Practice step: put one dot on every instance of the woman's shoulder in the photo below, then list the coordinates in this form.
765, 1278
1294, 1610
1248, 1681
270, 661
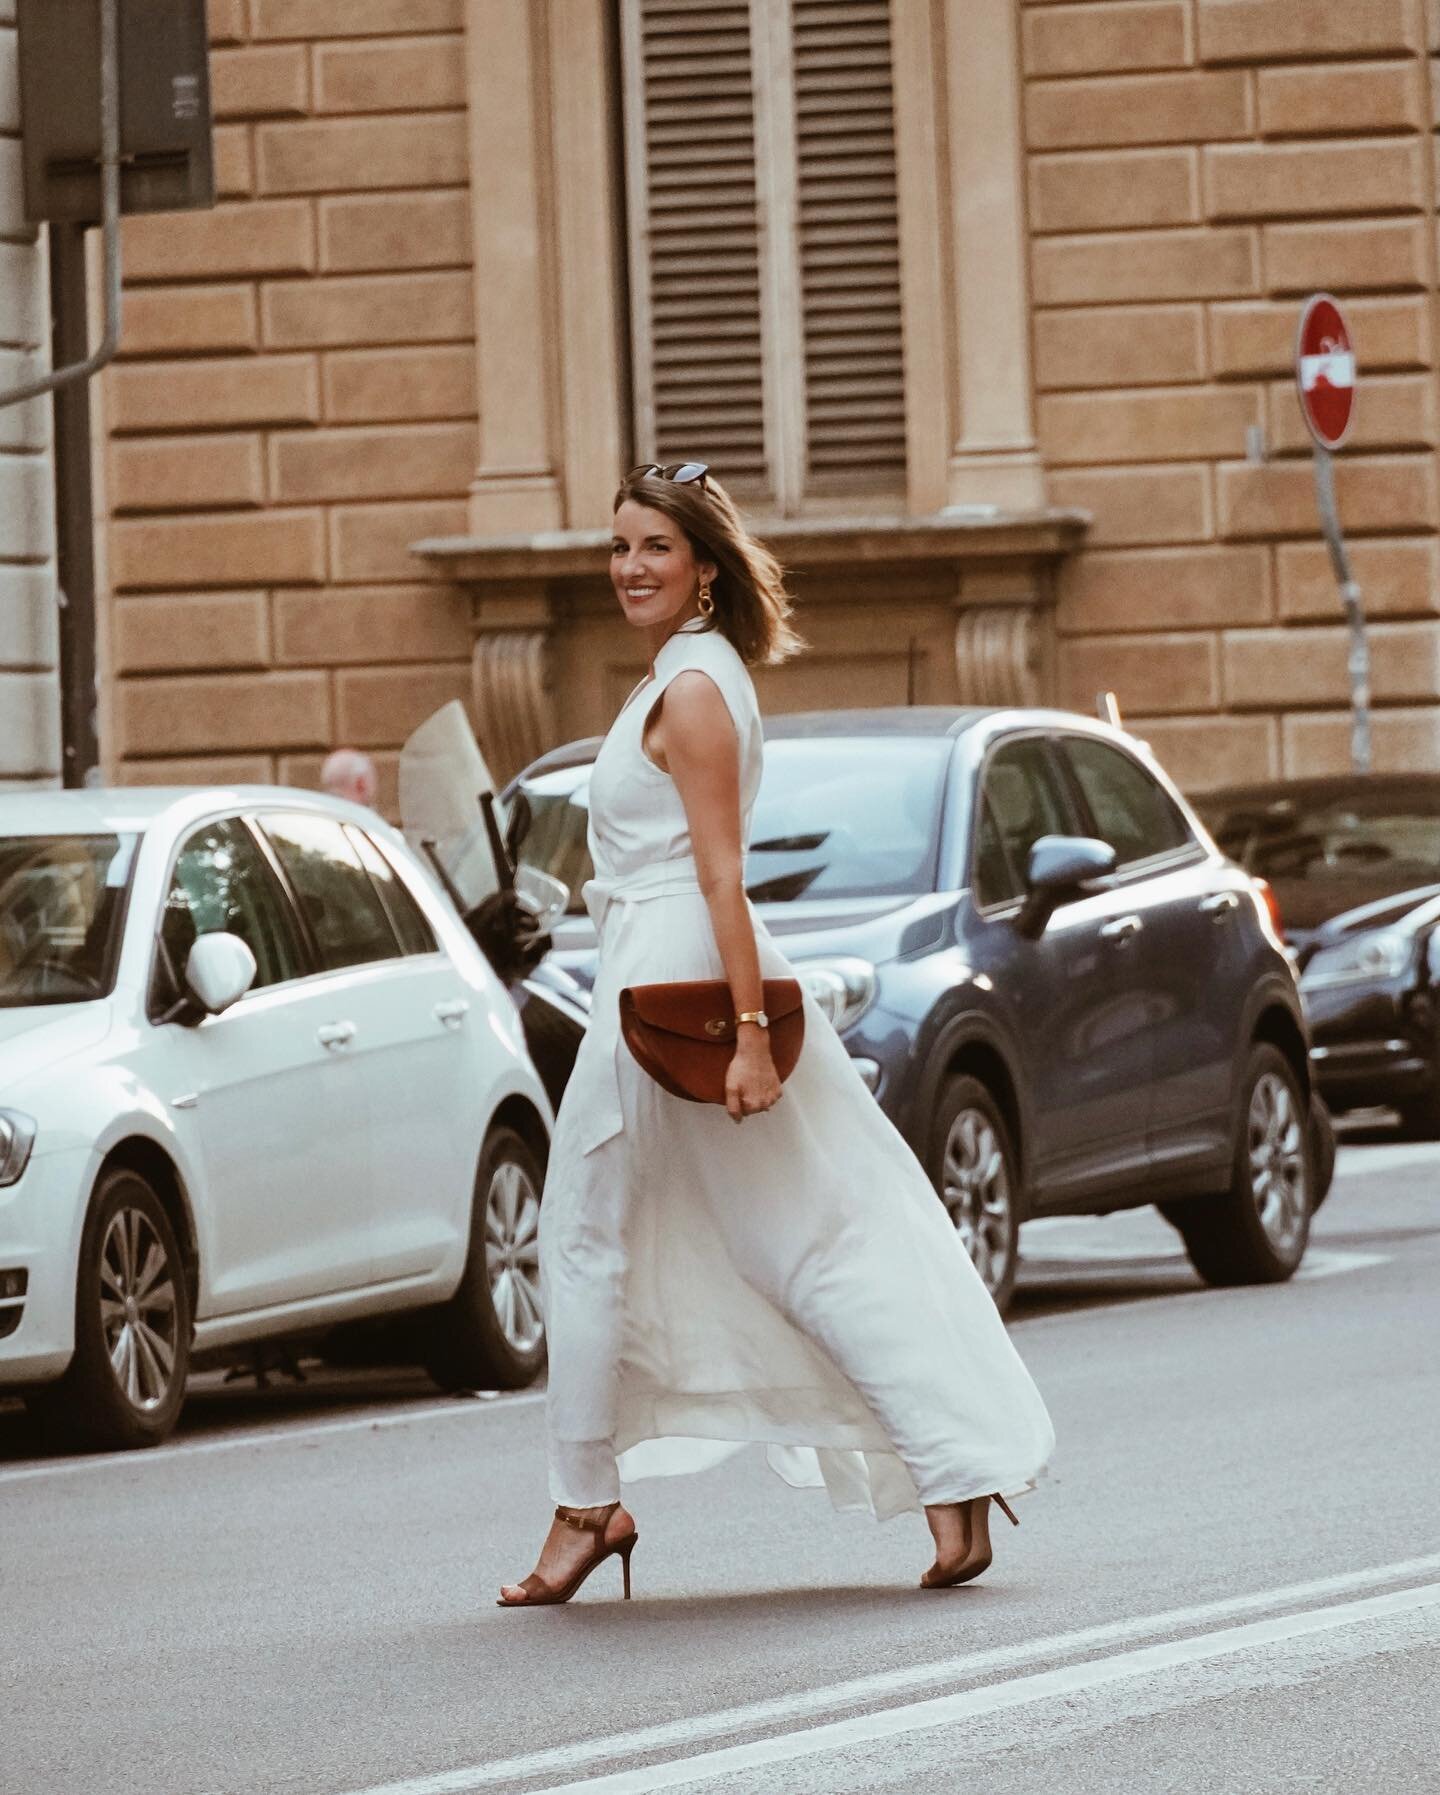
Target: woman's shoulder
713, 654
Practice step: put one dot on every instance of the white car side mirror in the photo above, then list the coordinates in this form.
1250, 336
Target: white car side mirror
219, 971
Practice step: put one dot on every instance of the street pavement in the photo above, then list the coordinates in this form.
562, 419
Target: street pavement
1231, 1580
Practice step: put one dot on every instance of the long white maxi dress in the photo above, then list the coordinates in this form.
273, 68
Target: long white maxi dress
790, 1281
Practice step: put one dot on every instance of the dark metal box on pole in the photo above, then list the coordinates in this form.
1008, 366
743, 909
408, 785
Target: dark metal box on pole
167, 158
115, 117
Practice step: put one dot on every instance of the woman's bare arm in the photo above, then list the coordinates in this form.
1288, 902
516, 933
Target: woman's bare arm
694, 739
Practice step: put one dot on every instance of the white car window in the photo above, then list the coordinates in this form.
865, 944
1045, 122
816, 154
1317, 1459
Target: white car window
406, 917
221, 882
336, 896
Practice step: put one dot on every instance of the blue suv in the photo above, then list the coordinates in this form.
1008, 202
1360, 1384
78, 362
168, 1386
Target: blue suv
1063, 995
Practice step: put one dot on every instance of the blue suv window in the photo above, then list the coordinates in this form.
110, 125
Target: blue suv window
1132, 812
843, 816
1021, 800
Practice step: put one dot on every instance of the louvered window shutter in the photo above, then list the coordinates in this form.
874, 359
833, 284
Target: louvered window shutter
849, 242
764, 242
694, 236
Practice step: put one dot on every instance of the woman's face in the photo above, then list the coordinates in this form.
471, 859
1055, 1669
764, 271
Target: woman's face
653, 568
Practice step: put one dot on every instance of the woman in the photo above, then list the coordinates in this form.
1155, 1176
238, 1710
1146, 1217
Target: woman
792, 1281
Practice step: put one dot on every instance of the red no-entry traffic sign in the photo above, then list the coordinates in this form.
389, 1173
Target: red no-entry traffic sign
1325, 371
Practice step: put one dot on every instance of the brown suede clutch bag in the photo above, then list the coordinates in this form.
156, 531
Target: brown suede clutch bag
683, 1034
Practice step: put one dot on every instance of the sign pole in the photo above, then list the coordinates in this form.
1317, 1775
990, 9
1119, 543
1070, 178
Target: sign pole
1359, 659
1325, 383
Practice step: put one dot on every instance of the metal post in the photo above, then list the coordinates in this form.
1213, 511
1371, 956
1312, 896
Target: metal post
1359, 661
74, 508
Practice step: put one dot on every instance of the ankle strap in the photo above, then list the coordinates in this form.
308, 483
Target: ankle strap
584, 1521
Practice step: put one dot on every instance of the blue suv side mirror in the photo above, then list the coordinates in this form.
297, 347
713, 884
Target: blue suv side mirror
1060, 867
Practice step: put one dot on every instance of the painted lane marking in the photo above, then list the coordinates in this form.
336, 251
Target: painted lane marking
808, 1703
1319, 1262
270, 1435
1325, 1262
1371, 1161
971, 1704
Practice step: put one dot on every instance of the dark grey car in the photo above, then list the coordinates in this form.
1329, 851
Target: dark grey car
1063, 995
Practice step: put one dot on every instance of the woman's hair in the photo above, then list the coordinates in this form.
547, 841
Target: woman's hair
752, 607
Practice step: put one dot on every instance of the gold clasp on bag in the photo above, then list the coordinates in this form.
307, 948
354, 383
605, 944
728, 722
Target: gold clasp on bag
717, 1025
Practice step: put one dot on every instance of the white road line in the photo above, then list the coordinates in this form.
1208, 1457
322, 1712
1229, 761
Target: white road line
1358, 1162
805, 1704
1326, 1262
970, 1704
270, 1435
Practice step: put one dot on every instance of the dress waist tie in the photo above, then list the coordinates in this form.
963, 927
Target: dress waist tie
662, 878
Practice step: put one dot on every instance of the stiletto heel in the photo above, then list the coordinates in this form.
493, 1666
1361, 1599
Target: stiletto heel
540, 1594
978, 1556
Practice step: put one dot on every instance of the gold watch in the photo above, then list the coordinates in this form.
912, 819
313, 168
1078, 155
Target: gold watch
758, 1017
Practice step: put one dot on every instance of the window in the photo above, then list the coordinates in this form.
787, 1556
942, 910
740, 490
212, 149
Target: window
1369, 841
336, 897
221, 883
995, 880
62, 907
1021, 800
557, 840
406, 917
838, 817
765, 274
1132, 811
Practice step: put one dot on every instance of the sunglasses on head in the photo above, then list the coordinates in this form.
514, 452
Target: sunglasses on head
678, 473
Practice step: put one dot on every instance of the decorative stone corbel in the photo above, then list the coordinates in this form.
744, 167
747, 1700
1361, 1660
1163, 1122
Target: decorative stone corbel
1001, 655
514, 714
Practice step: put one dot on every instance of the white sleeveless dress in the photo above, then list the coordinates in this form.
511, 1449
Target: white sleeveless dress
790, 1281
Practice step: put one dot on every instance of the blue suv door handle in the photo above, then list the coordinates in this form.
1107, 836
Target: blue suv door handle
1221, 905
1124, 929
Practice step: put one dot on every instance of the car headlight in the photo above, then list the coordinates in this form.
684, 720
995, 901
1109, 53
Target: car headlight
1379, 954
843, 988
17, 1137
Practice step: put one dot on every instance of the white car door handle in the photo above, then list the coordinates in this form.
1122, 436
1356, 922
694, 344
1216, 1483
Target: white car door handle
1122, 930
335, 1035
452, 1012
1221, 905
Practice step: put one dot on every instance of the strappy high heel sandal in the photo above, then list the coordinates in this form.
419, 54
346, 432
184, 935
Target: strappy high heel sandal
540, 1594
977, 1551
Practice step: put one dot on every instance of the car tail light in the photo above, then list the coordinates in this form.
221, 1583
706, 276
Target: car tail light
1272, 904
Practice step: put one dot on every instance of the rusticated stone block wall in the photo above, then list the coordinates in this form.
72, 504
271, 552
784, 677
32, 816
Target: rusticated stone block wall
296, 405
1195, 168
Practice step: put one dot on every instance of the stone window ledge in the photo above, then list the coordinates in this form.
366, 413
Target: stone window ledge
972, 588
964, 533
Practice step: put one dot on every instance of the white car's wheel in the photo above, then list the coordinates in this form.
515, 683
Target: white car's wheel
126, 1383
491, 1334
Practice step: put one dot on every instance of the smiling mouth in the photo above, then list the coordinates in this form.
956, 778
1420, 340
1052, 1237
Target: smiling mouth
641, 591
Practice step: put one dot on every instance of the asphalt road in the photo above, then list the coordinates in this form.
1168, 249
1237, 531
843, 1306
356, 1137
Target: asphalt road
1231, 1580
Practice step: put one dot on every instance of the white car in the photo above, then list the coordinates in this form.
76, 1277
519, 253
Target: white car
256, 1080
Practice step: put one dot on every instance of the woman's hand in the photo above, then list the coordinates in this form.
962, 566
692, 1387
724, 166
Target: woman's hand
752, 1084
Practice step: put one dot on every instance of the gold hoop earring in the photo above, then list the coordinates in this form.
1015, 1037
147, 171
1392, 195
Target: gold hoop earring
705, 602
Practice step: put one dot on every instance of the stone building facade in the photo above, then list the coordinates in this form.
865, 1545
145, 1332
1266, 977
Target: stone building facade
986, 305
29, 685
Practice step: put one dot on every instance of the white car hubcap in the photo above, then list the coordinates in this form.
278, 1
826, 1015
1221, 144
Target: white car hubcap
138, 1308
512, 1254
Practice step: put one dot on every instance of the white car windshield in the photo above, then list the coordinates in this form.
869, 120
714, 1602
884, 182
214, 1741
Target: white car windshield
62, 905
